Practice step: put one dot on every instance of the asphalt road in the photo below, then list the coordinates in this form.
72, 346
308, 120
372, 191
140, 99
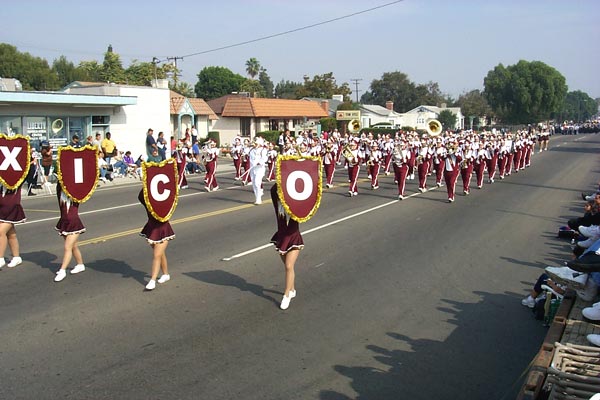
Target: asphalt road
413, 299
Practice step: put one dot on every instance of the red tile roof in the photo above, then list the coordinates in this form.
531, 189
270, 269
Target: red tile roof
236, 106
199, 106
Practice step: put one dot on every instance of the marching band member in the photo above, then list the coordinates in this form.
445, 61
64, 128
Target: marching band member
529, 149
423, 161
466, 166
11, 213
288, 242
502, 157
237, 151
181, 161
388, 151
329, 153
544, 138
438, 161
69, 226
400, 160
479, 165
157, 235
258, 159
271, 163
245, 177
211, 155
491, 159
510, 154
518, 150
353, 159
451, 169
374, 162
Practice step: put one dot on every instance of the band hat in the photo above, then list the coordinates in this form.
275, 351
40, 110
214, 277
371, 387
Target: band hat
259, 141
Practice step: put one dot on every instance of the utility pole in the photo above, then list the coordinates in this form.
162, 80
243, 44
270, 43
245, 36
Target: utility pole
355, 81
174, 61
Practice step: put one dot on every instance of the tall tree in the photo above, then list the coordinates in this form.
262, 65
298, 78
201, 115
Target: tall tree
287, 90
253, 87
142, 73
393, 86
448, 119
215, 82
67, 72
526, 92
252, 67
578, 106
322, 86
92, 69
183, 88
34, 73
266, 82
473, 104
428, 94
112, 68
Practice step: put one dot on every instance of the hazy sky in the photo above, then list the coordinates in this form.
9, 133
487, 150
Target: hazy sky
454, 43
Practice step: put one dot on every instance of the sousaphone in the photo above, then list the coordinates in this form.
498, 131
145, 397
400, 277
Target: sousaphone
434, 127
354, 126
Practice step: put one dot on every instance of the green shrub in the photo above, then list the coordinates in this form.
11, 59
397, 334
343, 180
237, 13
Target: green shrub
270, 136
328, 124
214, 135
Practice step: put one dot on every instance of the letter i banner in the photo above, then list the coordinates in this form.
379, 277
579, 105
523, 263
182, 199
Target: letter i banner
78, 171
15, 158
299, 185
161, 190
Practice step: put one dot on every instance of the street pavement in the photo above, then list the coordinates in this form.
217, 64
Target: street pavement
413, 299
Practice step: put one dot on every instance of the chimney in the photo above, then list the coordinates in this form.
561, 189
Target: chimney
443, 105
325, 106
389, 105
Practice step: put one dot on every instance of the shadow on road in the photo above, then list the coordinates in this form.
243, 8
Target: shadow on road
113, 266
223, 278
43, 259
468, 364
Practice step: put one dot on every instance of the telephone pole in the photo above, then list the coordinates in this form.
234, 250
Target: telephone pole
355, 81
174, 62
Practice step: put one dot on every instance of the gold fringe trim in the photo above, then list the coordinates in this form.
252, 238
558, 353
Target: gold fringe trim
319, 185
146, 165
26, 172
60, 177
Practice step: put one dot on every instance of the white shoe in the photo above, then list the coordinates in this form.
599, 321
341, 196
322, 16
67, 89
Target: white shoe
589, 231
594, 339
400, 197
60, 275
215, 188
78, 268
588, 242
292, 294
592, 313
184, 187
151, 285
528, 301
258, 202
164, 278
285, 302
14, 262
2, 262
567, 274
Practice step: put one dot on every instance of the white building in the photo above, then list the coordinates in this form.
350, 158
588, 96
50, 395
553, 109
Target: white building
371, 114
418, 117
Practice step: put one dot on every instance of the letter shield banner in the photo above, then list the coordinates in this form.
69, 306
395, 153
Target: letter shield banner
15, 156
161, 190
78, 172
299, 185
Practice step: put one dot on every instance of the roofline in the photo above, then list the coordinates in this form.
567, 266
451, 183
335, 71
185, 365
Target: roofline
65, 98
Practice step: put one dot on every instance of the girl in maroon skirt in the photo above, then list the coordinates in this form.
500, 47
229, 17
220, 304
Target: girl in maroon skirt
158, 235
11, 213
69, 226
288, 242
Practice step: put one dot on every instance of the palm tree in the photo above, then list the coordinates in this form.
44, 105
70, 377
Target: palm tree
252, 67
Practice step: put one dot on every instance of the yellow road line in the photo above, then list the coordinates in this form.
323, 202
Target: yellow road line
34, 210
174, 222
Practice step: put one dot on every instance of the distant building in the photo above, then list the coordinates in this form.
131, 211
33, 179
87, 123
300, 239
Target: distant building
417, 117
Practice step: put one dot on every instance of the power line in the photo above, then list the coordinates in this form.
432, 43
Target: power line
355, 81
291, 30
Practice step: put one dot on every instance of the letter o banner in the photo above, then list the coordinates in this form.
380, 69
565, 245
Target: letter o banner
299, 185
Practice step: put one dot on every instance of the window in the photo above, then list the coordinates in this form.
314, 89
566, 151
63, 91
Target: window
11, 125
245, 124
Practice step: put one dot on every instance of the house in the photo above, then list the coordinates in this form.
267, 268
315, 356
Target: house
240, 115
371, 114
418, 117
190, 112
331, 105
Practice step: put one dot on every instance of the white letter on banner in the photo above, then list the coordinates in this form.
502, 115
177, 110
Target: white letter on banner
290, 185
10, 158
154, 187
78, 168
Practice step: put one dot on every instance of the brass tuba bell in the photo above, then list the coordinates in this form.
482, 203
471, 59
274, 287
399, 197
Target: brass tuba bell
434, 127
354, 126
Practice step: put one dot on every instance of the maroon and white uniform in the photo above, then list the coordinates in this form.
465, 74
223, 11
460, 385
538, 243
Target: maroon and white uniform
245, 162
466, 170
11, 210
375, 160
438, 163
69, 222
479, 166
400, 160
329, 154
155, 231
181, 161
271, 162
451, 170
211, 155
236, 154
423, 163
353, 162
491, 160
288, 235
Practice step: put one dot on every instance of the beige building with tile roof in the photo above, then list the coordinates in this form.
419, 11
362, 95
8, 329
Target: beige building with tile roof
190, 112
240, 115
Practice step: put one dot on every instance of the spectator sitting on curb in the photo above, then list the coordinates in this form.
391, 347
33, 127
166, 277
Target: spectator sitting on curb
544, 279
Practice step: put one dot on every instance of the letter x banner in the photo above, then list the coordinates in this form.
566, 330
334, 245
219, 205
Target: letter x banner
161, 188
299, 185
78, 171
15, 157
